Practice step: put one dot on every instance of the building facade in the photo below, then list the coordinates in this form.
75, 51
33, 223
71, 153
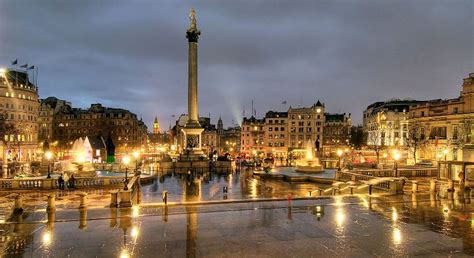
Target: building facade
305, 124
19, 107
445, 127
229, 140
48, 108
276, 134
127, 132
336, 132
386, 123
252, 137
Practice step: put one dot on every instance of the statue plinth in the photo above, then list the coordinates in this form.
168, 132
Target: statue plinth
192, 142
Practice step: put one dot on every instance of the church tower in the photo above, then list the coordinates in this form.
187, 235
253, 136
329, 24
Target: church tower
220, 126
156, 126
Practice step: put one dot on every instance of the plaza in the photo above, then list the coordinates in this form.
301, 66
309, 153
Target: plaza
313, 170
338, 226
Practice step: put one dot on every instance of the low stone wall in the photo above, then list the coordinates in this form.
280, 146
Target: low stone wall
52, 183
195, 165
403, 172
295, 178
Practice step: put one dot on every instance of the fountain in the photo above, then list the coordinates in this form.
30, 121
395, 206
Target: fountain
310, 164
81, 158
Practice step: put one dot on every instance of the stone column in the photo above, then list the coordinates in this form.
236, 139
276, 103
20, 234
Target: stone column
192, 34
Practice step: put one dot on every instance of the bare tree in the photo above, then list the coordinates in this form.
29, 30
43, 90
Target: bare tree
374, 144
7, 129
415, 138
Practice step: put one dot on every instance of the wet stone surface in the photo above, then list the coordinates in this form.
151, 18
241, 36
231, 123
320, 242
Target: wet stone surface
341, 226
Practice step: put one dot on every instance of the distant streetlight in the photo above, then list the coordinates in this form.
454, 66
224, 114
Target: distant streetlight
445, 152
339, 154
48, 156
136, 155
396, 157
125, 161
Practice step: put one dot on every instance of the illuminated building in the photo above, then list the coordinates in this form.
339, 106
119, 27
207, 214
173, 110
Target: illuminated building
19, 112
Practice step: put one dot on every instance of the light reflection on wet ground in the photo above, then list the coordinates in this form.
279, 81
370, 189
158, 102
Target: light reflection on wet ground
210, 187
340, 226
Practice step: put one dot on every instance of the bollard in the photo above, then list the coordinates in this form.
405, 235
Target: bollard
114, 199
83, 203
309, 193
370, 189
82, 218
450, 185
320, 192
18, 204
224, 189
289, 199
164, 196
414, 201
414, 186
51, 202
352, 190
433, 185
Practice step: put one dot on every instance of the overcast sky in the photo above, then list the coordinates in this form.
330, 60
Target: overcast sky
348, 54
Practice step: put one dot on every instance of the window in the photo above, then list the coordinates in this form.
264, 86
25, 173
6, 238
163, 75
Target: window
455, 110
282, 129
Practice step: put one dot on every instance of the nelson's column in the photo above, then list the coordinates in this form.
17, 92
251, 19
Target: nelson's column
192, 130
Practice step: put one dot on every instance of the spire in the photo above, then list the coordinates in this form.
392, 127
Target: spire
318, 104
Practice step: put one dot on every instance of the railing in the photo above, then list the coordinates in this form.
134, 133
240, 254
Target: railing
404, 172
129, 196
52, 183
393, 185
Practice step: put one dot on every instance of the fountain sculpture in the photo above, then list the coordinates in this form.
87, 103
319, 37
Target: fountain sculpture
310, 164
81, 158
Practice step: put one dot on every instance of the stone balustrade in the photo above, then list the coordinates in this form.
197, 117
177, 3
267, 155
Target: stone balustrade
403, 172
52, 183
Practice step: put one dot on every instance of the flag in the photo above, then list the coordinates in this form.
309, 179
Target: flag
31, 67
24, 66
284, 102
15, 62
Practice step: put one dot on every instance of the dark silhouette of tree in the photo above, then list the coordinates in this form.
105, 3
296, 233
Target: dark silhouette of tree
373, 144
415, 138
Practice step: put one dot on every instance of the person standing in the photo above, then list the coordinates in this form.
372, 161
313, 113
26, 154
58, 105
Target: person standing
461, 176
72, 182
61, 182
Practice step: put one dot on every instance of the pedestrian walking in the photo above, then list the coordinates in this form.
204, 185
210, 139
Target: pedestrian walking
61, 182
72, 182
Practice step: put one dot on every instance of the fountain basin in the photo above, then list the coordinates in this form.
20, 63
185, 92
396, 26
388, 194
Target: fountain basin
309, 168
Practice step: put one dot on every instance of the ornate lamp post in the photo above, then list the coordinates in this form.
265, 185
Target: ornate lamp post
396, 157
339, 154
48, 156
125, 161
445, 152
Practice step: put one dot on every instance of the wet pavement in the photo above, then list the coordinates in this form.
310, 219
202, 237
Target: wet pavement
338, 226
210, 187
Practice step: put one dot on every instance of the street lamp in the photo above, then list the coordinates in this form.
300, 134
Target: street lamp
48, 156
445, 152
136, 155
396, 157
339, 154
126, 160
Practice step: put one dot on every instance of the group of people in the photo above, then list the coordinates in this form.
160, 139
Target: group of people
65, 182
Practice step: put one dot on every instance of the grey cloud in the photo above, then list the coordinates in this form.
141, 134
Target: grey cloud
133, 54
